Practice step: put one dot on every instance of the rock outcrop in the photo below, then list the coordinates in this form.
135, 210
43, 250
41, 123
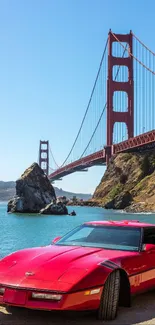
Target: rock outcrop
128, 183
121, 201
57, 209
33, 191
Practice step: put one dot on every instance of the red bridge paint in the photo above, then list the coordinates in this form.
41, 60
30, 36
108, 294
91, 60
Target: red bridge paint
142, 141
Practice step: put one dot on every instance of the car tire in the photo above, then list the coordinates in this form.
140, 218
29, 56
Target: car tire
110, 297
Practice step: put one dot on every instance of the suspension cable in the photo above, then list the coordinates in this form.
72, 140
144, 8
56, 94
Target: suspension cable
88, 104
129, 52
52, 169
102, 110
142, 43
94, 130
53, 157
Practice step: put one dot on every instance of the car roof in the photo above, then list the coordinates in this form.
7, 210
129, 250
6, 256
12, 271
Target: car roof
124, 223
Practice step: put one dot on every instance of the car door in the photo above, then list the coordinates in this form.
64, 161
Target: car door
140, 266
136, 266
148, 258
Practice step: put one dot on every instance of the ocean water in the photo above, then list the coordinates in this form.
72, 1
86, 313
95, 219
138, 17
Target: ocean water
19, 231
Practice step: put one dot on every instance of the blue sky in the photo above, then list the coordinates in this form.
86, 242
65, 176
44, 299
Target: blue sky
50, 52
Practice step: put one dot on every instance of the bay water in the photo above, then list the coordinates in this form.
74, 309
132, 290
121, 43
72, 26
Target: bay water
18, 231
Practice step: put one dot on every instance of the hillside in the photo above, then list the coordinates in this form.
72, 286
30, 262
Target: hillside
7, 191
69, 195
128, 183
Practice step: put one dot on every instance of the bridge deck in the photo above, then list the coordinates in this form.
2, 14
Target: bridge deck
140, 142
97, 158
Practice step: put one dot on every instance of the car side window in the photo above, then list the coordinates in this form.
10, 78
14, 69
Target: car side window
149, 236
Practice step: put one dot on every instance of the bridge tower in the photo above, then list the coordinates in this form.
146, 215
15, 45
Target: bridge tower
117, 116
44, 156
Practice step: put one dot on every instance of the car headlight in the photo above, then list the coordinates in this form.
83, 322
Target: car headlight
49, 296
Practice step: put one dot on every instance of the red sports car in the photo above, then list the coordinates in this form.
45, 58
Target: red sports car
97, 266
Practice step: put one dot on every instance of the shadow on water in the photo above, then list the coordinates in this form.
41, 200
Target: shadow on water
142, 311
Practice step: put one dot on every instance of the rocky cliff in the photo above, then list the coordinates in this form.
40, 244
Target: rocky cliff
128, 183
33, 191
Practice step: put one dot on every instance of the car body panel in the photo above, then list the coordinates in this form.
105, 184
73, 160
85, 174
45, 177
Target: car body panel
68, 265
74, 271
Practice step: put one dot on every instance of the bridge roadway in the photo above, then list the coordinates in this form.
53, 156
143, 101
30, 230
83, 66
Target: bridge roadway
142, 312
141, 142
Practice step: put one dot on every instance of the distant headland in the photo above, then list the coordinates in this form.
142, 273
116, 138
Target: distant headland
8, 189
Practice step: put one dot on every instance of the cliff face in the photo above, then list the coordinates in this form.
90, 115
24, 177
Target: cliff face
33, 191
128, 183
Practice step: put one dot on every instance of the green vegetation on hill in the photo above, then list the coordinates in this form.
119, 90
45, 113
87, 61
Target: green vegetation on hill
128, 183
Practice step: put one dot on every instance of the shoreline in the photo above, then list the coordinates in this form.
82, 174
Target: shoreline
132, 208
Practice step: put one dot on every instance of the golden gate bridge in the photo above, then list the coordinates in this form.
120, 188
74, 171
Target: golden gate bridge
120, 115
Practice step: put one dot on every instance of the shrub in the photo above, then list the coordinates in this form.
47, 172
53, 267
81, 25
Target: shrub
115, 191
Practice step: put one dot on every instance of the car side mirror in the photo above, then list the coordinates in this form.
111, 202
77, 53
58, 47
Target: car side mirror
56, 239
148, 247
143, 247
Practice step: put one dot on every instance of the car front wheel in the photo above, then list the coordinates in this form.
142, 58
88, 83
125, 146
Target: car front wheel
110, 297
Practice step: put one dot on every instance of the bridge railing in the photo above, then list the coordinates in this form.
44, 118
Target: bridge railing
83, 163
138, 141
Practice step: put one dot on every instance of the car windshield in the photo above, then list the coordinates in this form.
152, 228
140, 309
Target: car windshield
108, 237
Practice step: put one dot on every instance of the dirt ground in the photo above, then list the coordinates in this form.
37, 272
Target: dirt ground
142, 312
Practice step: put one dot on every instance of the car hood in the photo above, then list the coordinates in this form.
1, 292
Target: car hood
53, 267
